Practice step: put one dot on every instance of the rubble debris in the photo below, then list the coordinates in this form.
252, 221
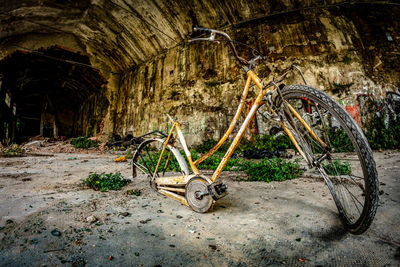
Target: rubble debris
34, 144
191, 229
91, 219
55, 232
213, 247
125, 214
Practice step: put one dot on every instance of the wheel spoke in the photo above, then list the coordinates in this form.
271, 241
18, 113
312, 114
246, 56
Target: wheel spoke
353, 196
145, 163
141, 167
152, 163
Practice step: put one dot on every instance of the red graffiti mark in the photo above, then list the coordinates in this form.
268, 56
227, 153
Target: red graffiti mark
354, 111
307, 103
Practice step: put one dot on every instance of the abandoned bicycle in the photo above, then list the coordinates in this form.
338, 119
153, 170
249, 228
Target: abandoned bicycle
324, 134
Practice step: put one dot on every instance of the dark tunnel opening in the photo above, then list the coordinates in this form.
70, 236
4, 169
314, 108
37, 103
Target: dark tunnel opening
48, 93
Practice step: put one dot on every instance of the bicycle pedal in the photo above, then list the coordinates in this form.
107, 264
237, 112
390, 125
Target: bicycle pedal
217, 190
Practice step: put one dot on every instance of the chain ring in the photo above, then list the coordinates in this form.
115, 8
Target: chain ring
197, 195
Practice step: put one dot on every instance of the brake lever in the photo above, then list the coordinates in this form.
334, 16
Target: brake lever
211, 38
254, 62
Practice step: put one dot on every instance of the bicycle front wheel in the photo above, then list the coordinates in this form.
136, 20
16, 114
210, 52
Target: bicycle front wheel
342, 156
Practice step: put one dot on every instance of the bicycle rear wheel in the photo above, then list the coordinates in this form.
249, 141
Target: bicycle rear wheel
146, 156
344, 159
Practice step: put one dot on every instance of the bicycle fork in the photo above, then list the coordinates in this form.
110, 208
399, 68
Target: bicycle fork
286, 128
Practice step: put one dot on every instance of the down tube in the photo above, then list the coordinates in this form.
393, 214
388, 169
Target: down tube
239, 136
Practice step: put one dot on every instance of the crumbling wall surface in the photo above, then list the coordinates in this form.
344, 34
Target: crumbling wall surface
343, 52
346, 49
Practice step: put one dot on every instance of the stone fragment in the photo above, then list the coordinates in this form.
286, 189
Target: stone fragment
55, 232
91, 219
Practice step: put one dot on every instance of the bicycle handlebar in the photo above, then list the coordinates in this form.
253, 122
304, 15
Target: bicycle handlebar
213, 33
201, 29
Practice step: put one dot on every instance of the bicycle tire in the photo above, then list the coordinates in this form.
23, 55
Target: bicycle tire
351, 183
146, 158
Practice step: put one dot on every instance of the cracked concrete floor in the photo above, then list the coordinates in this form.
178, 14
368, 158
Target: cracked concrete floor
44, 211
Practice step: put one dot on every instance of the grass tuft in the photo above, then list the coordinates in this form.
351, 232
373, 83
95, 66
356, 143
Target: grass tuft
83, 142
105, 181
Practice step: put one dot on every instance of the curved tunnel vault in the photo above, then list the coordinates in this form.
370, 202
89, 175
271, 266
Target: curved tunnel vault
48, 93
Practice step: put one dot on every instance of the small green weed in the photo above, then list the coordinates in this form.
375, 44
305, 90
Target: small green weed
148, 160
381, 137
212, 162
105, 181
267, 170
259, 142
340, 141
13, 151
337, 167
83, 142
275, 169
135, 192
267, 142
210, 143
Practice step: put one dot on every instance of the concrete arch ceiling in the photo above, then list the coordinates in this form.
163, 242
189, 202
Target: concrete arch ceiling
119, 34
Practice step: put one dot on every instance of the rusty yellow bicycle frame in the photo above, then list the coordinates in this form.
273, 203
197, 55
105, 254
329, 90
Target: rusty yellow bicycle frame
167, 184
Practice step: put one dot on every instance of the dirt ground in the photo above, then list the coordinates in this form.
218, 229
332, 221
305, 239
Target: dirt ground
49, 219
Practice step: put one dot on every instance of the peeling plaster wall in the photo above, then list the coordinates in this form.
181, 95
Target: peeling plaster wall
201, 86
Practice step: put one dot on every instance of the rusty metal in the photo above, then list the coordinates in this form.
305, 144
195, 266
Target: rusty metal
197, 194
185, 148
169, 156
174, 180
296, 144
239, 135
174, 189
231, 126
163, 149
302, 121
174, 196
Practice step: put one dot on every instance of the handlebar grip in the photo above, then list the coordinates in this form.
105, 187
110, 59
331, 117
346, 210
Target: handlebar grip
200, 29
